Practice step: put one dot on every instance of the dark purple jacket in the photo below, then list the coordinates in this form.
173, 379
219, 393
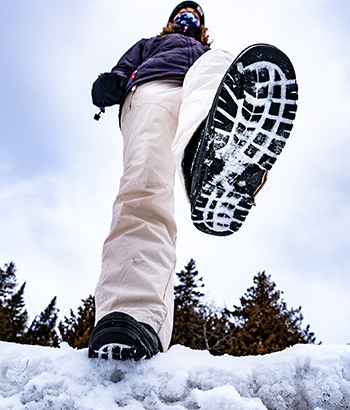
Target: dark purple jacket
157, 57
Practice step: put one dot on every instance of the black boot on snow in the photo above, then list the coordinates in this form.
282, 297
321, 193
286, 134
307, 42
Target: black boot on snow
119, 336
247, 127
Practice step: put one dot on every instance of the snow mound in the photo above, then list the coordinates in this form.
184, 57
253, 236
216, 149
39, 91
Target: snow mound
302, 377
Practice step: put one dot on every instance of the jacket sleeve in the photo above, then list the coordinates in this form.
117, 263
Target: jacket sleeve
109, 88
128, 64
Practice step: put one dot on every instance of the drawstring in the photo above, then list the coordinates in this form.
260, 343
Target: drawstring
97, 116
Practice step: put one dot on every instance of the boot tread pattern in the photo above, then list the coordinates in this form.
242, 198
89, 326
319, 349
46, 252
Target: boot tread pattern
255, 109
116, 351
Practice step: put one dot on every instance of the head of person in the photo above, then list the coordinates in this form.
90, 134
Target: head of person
187, 18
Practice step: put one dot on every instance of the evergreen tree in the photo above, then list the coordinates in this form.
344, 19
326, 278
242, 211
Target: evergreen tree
7, 280
198, 325
186, 293
13, 316
76, 330
42, 330
186, 307
261, 324
264, 324
17, 316
214, 331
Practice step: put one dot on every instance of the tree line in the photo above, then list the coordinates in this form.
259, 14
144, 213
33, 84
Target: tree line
260, 324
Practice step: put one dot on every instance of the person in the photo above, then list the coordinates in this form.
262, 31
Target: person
174, 91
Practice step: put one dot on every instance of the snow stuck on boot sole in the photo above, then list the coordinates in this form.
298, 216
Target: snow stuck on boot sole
248, 127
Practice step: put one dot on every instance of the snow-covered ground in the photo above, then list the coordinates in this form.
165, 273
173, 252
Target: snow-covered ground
302, 377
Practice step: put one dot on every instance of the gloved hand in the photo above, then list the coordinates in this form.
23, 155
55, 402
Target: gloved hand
108, 89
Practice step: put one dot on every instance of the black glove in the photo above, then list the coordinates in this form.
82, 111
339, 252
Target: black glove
108, 89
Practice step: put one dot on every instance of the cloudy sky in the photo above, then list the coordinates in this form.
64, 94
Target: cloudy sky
60, 169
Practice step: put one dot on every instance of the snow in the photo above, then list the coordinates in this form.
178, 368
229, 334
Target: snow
298, 378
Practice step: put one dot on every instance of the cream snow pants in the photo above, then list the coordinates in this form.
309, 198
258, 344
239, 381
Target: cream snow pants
138, 260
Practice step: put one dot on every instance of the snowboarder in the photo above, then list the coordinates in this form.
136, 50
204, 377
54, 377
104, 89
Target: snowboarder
221, 122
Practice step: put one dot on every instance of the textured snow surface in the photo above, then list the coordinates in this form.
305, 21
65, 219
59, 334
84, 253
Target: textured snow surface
302, 377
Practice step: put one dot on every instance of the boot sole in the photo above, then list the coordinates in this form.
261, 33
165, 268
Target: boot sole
247, 127
115, 351
119, 336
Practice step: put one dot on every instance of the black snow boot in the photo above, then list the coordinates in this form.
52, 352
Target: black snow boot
119, 336
246, 129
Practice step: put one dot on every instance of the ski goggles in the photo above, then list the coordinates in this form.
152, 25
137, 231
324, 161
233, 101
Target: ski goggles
187, 18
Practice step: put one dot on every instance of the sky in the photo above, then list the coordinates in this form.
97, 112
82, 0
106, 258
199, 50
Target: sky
60, 169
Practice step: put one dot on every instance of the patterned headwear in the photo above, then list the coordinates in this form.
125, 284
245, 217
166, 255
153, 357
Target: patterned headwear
195, 6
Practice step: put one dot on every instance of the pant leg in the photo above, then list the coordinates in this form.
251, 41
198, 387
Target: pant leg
138, 259
199, 88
